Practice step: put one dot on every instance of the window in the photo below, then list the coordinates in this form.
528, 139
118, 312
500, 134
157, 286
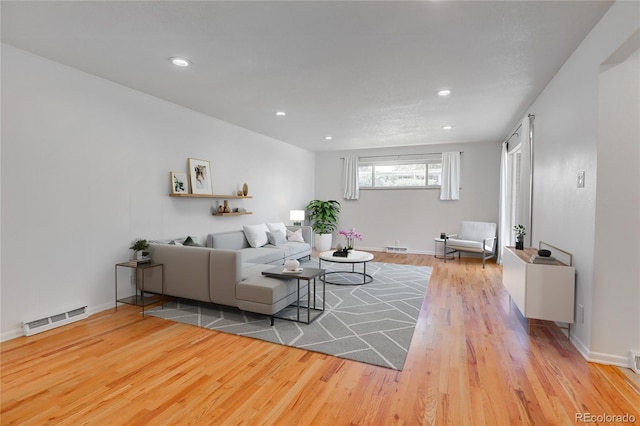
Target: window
423, 173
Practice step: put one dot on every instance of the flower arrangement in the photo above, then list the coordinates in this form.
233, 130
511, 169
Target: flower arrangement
350, 235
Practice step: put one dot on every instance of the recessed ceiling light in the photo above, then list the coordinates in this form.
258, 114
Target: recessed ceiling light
447, 127
281, 113
444, 92
328, 138
180, 62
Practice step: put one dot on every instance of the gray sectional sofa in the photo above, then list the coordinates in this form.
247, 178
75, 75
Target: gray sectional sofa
229, 272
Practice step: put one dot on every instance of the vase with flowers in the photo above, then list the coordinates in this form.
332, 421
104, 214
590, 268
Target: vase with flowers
350, 235
520, 233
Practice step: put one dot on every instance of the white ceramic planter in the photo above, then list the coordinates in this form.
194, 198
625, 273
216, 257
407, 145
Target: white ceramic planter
323, 242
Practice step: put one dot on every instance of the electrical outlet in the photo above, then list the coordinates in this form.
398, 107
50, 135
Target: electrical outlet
581, 179
581, 313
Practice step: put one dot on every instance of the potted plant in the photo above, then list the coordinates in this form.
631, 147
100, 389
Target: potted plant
140, 247
323, 217
520, 233
351, 235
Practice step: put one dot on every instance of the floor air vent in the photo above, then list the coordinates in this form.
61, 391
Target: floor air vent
47, 323
397, 249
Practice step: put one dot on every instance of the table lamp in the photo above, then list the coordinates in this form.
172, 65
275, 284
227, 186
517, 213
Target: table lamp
297, 216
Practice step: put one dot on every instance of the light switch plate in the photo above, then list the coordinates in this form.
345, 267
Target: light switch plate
581, 179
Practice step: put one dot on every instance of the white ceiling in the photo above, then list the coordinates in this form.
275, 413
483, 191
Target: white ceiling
364, 72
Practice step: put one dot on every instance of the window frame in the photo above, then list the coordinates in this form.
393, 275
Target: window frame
373, 163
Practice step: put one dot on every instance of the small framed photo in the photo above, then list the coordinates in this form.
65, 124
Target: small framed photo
179, 183
200, 173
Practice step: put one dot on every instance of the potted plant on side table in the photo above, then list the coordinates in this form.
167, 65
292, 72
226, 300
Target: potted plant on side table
323, 217
140, 247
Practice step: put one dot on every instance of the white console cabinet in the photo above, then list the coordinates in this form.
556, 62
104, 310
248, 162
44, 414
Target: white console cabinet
540, 291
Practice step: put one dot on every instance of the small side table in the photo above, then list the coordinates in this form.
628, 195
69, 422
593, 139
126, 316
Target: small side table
436, 242
135, 299
307, 274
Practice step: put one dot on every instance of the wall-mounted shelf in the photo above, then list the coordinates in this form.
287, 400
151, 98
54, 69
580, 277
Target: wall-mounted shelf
231, 214
228, 197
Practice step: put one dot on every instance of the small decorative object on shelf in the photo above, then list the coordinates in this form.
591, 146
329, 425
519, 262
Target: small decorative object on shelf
245, 189
140, 247
227, 209
240, 193
350, 235
520, 233
220, 208
179, 183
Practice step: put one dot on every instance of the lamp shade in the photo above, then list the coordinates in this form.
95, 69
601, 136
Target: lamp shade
296, 215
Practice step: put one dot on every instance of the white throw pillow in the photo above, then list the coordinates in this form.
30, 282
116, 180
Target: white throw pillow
277, 227
295, 236
256, 234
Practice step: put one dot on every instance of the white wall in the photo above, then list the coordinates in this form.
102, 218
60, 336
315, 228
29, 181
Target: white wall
566, 142
616, 293
85, 170
414, 217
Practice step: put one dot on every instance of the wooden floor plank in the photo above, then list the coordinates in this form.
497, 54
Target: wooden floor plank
471, 361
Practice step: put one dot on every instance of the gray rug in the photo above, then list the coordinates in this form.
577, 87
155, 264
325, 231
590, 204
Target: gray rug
370, 323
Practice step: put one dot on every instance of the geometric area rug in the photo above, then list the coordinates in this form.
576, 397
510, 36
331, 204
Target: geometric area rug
371, 323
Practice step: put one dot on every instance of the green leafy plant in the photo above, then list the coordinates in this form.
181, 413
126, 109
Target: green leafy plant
139, 245
323, 215
520, 232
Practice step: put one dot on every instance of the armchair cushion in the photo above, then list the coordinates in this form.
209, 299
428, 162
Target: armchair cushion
471, 235
468, 245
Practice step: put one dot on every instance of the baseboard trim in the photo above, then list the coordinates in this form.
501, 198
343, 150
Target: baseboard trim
609, 359
598, 357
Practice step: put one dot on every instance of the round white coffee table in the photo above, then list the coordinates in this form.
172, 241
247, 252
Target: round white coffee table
353, 258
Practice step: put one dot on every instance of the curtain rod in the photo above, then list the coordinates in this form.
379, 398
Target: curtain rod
400, 155
515, 132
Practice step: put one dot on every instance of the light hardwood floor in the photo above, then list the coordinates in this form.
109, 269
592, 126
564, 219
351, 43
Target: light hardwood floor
471, 362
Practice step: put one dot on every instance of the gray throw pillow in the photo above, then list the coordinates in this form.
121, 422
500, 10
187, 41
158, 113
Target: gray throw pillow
276, 237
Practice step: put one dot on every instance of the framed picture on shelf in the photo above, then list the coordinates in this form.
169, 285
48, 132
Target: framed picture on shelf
179, 183
200, 173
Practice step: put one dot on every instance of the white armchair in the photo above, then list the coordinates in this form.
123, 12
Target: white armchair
476, 237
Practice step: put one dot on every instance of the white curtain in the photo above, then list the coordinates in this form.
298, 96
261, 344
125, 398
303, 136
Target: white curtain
526, 177
351, 187
503, 213
450, 185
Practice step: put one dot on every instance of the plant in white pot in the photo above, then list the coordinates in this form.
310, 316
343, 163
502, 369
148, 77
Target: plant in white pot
323, 217
140, 247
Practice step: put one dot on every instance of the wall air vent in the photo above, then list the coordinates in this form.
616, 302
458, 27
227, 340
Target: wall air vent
57, 320
394, 249
635, 362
